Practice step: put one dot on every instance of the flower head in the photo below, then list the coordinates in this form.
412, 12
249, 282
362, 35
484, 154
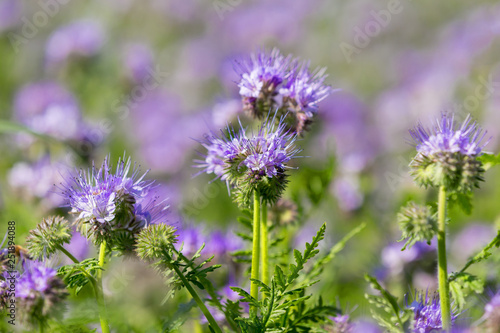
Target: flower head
302, 93
252, 161
270, 81
40, 293
427, 314
113, 205
447, 154
445, 138
492, 314
260, 77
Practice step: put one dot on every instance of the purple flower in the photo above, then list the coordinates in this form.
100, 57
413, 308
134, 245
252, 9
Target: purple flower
263, 154
191, 238
10, 13
35, 279
342, 324
48, 108
262, 73
37, 180
445, 138
427, 313
82, 38
138, 61
305, 89
121, 201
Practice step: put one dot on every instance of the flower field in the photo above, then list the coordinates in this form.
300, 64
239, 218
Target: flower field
250, 167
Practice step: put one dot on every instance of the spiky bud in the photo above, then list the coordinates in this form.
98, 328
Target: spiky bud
156, 241
417, 223
48, 236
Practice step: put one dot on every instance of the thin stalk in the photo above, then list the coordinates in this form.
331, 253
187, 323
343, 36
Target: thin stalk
198, 300
99, 293
264, 248
444, 288
254, 289
210, 290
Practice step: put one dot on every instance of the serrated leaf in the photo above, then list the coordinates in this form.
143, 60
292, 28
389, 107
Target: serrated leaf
489, 160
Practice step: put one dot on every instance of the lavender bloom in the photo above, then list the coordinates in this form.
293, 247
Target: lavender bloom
10, 13
264, 77
262, 74
191, 238
138, 61
83, 38
427, 312
447, 156
121, 201
341, 324
305, 89
40, 293
445, 138
48, 108
252, 163
36, 181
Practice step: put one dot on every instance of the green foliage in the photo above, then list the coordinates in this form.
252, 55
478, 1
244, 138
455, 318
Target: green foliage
78, 275
417, 223
385, 309
179, 318
489, 160
462, 285
285, 306
48, 236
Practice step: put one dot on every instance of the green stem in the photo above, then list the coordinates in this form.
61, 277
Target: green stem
254, 288
99, 293
444, 288
198, 300
210, 290
264, 249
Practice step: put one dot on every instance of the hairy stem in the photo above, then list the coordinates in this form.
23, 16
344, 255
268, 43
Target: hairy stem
254, 289
197, 299
99, 292
264, 249
444, 288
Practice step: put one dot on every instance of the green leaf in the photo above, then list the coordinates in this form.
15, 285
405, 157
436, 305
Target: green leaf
489, 160
464, 284
13, 127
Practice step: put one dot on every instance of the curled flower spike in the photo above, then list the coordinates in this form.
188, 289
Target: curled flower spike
427, 314
260, 77
48, 236
252, 161
447, 154
273, 81
113, 206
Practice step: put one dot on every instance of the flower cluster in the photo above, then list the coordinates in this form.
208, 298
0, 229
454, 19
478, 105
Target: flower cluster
427, 314
273, 81
39, 292
252, 162
492, 314
113, 207
447, 156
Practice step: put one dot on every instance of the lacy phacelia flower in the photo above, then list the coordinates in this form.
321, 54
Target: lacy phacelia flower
270, 81
302, 93
113, 206
260, 77
427, 314
252, 162
40, 293
447, 156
